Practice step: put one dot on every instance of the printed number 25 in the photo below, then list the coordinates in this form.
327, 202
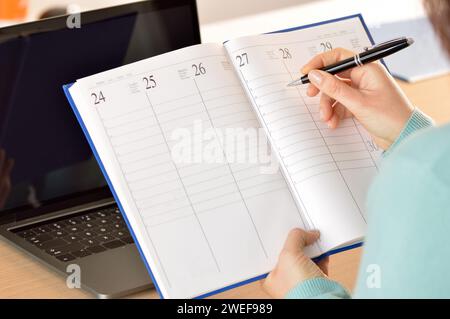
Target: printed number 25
150, 82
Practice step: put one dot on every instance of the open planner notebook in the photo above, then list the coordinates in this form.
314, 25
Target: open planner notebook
204, 227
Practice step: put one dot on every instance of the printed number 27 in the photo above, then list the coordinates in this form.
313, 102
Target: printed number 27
242, 59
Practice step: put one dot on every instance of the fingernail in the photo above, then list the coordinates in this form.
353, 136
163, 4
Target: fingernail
321, 115
329, 124
316, 232
315, 77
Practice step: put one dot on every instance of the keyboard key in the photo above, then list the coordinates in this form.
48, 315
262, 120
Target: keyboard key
81, 253
42, 230
39, 239
101, 214
103, 221
87, 218
102, 230
113, 244
72, 247
96, 249
104, 238
118, 226
72, 238
56, 226
87, 234
54, 243
66, 257
120, 234
89, 225
73, 221
89, 242
54, 252
73, 229
59, 233
26, 233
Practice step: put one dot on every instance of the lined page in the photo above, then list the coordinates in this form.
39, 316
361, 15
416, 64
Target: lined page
328, 170
202, 226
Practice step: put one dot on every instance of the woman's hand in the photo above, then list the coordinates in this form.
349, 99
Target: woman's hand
293, 265
368, 92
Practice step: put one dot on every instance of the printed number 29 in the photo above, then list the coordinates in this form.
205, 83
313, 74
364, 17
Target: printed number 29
326, 46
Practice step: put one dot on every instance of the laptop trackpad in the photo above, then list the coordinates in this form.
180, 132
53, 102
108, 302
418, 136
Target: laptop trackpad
114, 273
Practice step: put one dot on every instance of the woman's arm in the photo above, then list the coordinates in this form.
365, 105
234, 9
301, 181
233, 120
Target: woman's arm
371, 95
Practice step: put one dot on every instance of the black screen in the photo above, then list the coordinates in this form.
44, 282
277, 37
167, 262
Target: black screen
43, 153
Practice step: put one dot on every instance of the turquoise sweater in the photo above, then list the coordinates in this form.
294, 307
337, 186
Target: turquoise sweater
406, 251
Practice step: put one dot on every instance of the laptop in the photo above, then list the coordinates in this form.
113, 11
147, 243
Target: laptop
54, 201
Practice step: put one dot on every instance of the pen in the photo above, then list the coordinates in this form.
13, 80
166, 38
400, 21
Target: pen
371, 54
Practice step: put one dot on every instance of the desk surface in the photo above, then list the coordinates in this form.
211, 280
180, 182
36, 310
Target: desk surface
23, 277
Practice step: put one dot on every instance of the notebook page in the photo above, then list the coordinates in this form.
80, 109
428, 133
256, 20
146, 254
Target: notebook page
329, 171
202, 226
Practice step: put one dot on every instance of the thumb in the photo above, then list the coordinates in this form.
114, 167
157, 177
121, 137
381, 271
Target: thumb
336, 89
298, 239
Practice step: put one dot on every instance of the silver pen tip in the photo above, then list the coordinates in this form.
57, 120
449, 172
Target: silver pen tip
293, 83
410, 41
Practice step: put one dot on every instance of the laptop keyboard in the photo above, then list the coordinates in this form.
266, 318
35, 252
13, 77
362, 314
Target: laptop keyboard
79, 235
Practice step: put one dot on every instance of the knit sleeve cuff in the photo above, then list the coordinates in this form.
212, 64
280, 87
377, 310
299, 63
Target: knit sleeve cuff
318, 288
416, 122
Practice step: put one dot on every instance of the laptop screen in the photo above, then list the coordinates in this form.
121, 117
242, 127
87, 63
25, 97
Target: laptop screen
44, 157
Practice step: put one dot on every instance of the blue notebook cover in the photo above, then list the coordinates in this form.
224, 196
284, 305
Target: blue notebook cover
91, 144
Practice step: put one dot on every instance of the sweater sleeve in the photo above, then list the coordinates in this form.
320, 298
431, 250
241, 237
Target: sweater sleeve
318, 288
416, 122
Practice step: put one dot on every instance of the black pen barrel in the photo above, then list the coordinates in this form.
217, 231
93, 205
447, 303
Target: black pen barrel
374, 54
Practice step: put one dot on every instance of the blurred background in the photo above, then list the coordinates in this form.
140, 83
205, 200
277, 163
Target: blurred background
223, 19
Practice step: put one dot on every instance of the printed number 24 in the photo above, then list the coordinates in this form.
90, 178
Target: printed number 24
98, 98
